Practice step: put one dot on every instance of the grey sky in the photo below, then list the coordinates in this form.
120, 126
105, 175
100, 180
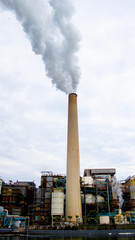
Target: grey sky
33, 114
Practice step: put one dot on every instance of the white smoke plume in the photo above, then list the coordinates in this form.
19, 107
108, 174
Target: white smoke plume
120, 194
47, 24
117, 188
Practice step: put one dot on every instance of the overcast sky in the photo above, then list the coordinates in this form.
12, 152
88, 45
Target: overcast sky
33, 113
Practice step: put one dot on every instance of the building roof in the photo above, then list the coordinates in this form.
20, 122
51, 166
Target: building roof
99, 171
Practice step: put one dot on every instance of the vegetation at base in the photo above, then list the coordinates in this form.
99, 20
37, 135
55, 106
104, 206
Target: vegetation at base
86, 227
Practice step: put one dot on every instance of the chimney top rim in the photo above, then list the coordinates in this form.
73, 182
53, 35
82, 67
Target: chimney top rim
72, 94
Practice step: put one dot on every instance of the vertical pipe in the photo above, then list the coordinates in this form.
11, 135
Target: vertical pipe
73, 193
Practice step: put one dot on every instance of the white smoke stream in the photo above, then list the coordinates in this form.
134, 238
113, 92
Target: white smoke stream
47, 24
119, 192
117, 189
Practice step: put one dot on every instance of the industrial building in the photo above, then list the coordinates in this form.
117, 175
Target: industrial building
45, 205
48, 199
16, 197
128, 189
99, 197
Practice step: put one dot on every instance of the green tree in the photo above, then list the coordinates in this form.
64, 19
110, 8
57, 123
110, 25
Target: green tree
70, 217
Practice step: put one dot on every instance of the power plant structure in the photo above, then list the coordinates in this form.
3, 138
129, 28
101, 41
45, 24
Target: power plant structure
73, 193
66, 201
45, 205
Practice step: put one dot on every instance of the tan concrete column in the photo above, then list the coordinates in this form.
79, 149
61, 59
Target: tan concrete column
73, 193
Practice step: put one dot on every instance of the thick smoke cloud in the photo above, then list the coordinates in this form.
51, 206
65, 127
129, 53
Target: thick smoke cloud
52, 35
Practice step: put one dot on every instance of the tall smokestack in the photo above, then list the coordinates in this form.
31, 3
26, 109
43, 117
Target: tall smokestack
73, 193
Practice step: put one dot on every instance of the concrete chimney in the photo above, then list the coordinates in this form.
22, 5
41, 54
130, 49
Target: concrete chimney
73, 193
